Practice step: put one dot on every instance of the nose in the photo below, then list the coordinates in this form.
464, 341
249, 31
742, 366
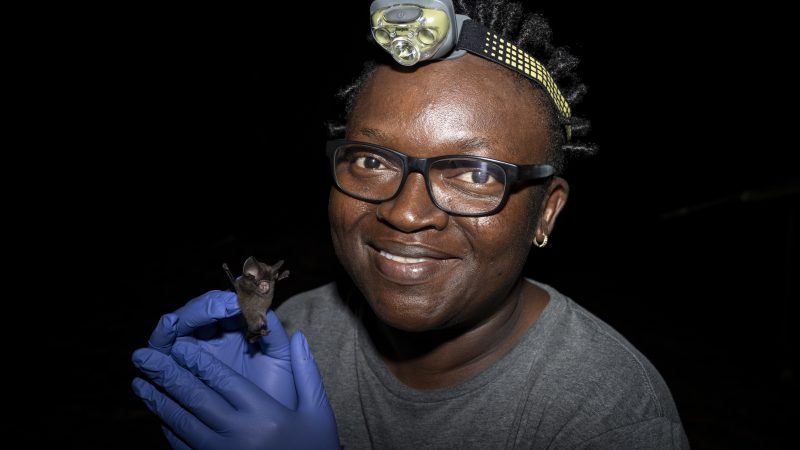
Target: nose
412, 209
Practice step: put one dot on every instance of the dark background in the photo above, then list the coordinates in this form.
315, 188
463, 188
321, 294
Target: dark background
196, 137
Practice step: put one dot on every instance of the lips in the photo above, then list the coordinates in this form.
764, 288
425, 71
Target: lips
410, 263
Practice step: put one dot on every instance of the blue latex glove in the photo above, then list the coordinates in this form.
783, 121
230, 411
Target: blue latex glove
213, 322
210, 406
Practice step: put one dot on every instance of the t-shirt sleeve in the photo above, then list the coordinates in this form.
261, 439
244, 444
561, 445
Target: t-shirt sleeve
656, 433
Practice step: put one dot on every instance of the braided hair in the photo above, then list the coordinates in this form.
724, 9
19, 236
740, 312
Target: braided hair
532, 33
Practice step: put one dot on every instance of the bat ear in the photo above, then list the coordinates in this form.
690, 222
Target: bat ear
283, 275
277, 266
252, 267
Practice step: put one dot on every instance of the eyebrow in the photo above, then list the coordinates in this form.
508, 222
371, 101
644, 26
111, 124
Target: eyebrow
372, 132
472, 143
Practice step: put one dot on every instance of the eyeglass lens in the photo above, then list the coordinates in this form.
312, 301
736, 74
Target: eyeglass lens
460, 185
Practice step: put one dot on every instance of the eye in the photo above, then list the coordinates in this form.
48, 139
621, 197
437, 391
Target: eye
367, 162
477, 176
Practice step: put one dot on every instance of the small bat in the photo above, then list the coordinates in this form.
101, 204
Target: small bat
254, 290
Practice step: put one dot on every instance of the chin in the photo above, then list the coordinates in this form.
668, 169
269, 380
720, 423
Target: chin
408, 312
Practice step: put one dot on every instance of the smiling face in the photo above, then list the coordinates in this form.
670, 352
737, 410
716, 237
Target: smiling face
419, 267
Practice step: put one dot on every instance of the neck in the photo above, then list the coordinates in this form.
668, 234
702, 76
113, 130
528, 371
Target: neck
443, 358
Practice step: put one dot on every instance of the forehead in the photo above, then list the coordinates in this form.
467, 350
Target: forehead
466, 105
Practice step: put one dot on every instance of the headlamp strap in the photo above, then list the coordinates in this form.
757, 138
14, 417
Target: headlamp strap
479, 40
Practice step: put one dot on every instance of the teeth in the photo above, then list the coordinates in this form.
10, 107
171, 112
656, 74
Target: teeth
403, 259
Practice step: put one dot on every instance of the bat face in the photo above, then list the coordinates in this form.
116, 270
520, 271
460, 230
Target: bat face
259, 274
262, 274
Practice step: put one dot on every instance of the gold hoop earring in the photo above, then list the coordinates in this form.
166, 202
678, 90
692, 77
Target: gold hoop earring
544, 241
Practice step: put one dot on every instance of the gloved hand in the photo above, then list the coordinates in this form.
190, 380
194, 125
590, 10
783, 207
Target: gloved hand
211, 406
213, 322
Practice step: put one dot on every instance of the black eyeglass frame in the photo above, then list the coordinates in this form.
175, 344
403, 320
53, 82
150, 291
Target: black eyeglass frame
515, 173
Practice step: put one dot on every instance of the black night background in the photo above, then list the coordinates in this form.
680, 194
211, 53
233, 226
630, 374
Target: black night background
197, 138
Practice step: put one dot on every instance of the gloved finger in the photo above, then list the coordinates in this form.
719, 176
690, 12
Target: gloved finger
174, 441
188, 427
198, 312
164, 334
307, 379
276, 343
240, 392
192, 395
206, 309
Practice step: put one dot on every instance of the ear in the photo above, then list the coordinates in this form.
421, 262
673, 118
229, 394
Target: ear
277, 266
284, 274
252, 267
552, 203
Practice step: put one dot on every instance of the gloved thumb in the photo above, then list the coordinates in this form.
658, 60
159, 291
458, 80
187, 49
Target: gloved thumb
276, 343
307, 379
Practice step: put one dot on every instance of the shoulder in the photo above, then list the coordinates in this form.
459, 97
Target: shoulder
302, 307
604, 382
319, 311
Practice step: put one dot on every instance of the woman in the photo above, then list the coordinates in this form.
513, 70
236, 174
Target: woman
439, 341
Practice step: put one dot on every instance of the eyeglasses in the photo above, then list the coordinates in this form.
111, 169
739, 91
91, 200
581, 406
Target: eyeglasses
462, 185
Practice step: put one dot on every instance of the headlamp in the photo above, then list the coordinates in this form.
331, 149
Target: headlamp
419, 30
414, 32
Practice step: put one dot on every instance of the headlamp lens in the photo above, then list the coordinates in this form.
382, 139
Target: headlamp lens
427, 36
404, 52
382, 36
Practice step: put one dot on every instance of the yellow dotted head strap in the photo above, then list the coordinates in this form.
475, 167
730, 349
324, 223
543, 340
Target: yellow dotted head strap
479, 40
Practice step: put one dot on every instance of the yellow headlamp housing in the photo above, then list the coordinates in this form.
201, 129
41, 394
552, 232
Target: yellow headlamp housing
414, 32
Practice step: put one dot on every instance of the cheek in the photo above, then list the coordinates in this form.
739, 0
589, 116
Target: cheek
337, 214
345, 213
502, 240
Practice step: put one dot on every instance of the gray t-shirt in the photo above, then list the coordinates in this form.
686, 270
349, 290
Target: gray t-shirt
571, 382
